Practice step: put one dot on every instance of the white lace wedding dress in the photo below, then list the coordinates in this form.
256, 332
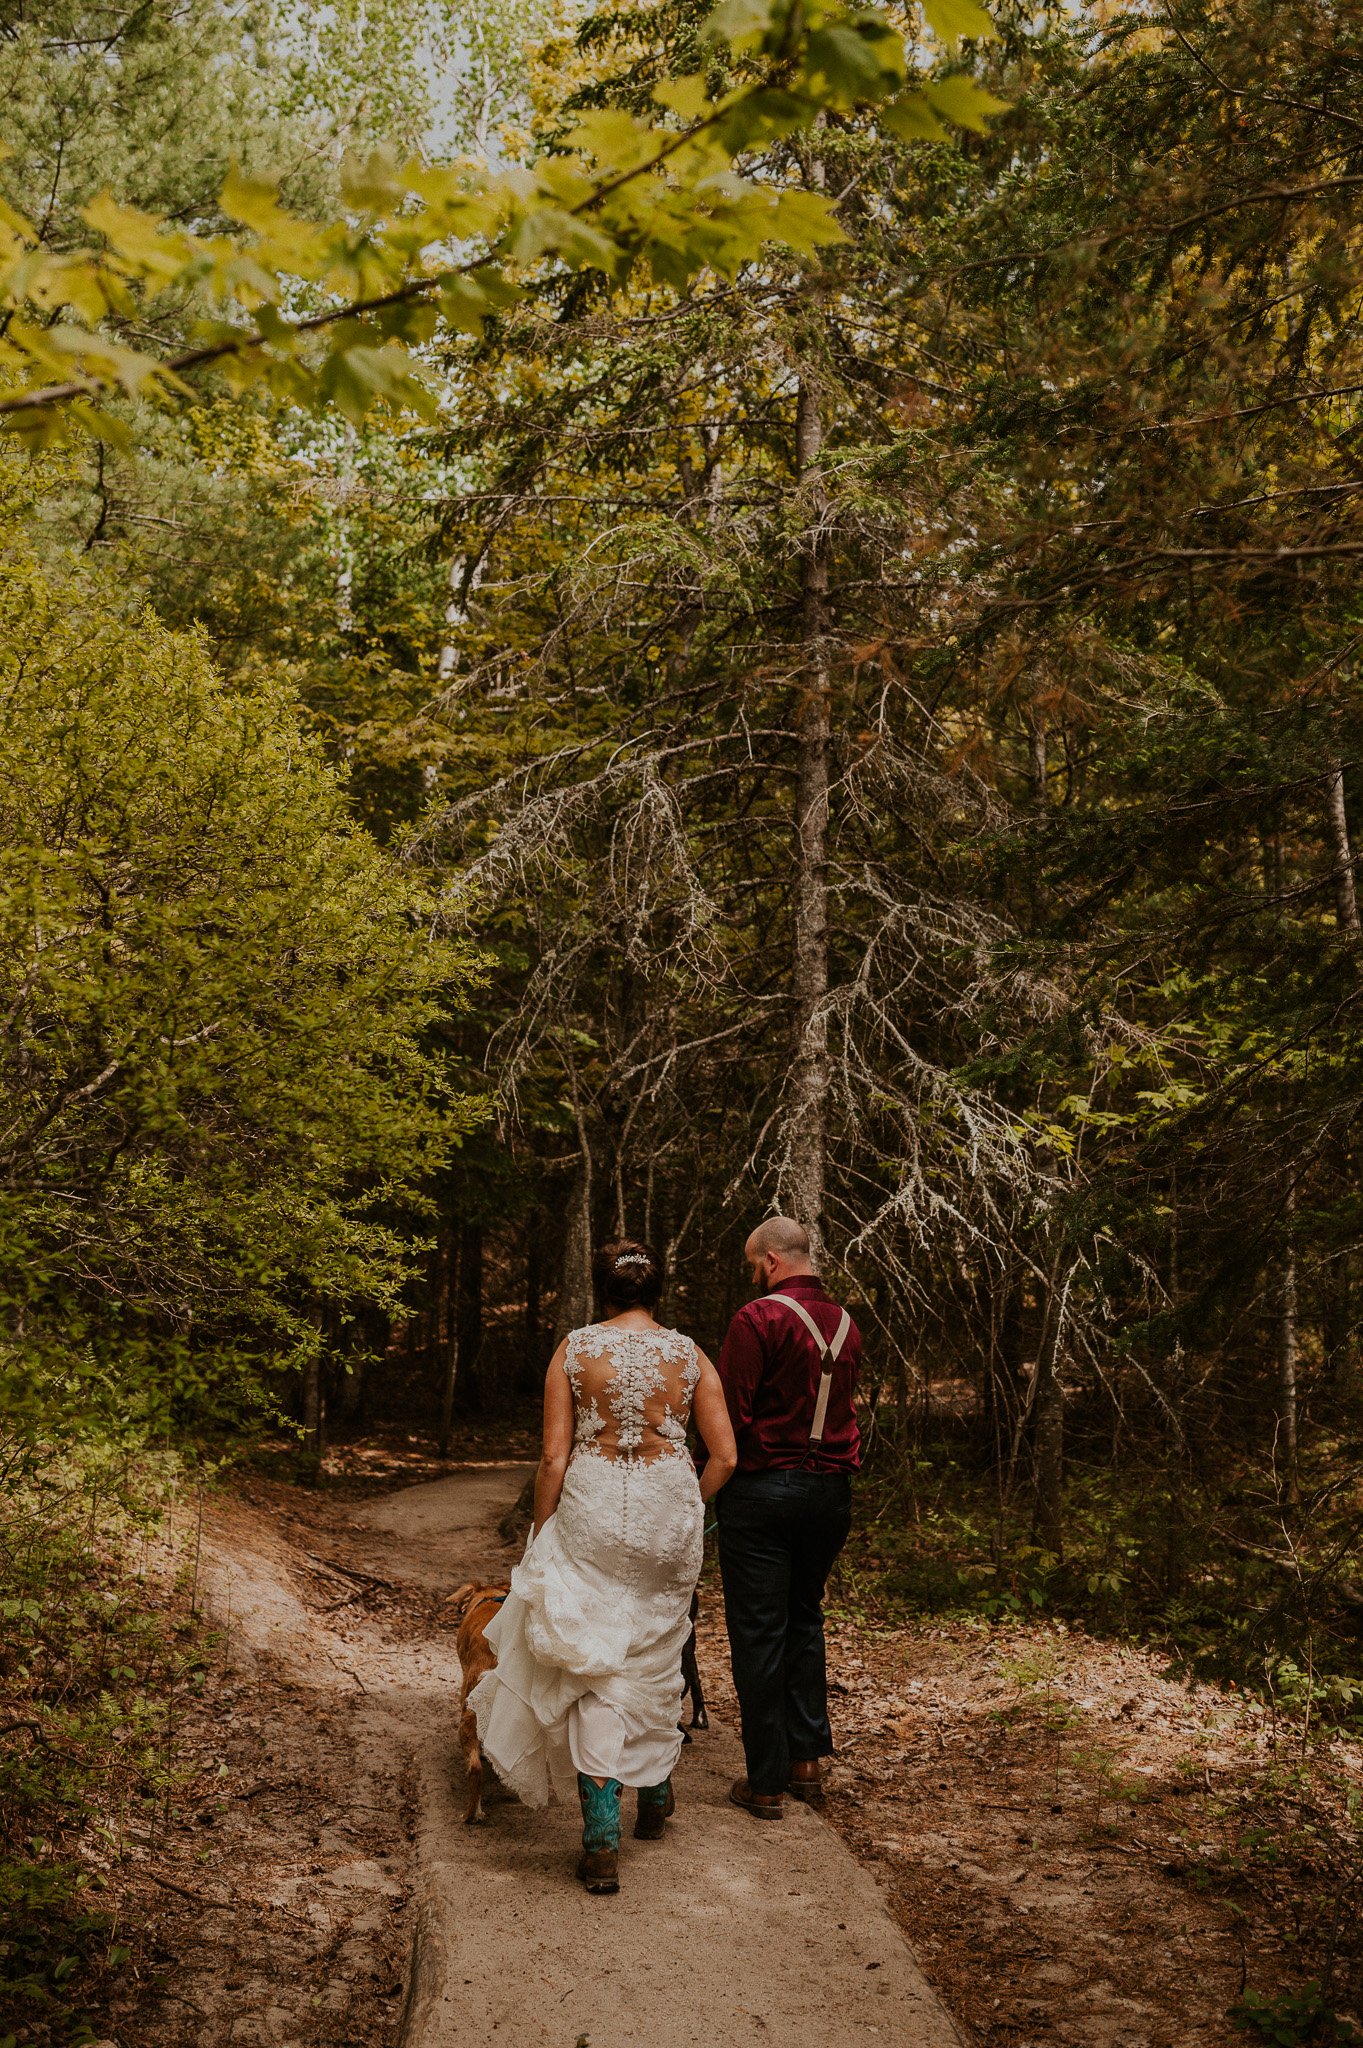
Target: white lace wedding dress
589, 1641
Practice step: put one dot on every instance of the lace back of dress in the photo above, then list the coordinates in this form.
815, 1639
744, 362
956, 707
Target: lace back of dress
631, 1392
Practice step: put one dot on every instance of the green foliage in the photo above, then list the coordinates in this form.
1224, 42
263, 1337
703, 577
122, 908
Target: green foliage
1288, 2018
934, 1537
92, 1661
156, 101
219, 996
621, 193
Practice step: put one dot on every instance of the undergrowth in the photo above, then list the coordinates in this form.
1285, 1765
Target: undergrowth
937, 1535
96, 1644
1279, 1840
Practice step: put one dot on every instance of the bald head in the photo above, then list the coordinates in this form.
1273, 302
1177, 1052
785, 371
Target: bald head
779, 1234
777, 1250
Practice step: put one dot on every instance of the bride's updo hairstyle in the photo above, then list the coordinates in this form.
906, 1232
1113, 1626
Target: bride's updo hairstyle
627, 1275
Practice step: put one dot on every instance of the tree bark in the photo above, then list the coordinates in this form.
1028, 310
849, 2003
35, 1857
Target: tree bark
1048, 1423
350, 1389
345, 550
1002, 1389
809, 1076
1176, 1525
1037, 757
575, 1277
463, 581
1287, 1365
534, 1287
900, 1370
1337, 820
463, 1328
309, 1464
450, 1377
1340, 1336
468, 1312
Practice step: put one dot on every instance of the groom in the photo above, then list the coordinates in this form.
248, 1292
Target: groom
788, 1365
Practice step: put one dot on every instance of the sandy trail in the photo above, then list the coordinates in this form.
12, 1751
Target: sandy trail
727, 1932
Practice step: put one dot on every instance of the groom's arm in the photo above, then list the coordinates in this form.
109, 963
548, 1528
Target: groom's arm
740, 1371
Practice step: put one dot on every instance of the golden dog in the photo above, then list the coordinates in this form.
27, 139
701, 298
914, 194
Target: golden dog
473, 1607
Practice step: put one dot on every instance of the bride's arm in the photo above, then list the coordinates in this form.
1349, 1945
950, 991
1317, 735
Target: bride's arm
711, 1412
558, 1438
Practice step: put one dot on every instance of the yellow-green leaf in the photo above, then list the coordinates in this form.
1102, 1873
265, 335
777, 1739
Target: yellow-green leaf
16, 223
254, 203
291, 241
36, 426
738, 22
354, 377
912, 119
464, 305
964, 101
548, 229
805, 221
855, 63
81, 283
564, 177
685, 96
612, 137
139, 238
374, 185
102, 426
952, 19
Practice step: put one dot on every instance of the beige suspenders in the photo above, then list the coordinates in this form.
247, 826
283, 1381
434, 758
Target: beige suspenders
829, 1349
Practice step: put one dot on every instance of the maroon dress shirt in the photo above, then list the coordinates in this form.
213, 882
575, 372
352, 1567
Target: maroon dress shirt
770, 1369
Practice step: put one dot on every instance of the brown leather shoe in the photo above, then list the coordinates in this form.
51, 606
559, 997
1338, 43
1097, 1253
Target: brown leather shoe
599, 1870
761, 1805
806, 1782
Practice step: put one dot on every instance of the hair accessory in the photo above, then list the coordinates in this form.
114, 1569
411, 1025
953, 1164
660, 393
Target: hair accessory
632, 1259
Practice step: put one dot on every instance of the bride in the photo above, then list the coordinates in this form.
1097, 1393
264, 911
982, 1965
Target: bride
589, 1640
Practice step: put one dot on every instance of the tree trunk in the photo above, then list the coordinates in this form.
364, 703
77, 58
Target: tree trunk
468, 1313
575, 1277
1271, 856
450, 1377
1337, 819
1048, 1422
1036, 756
900, 1371
463, 581
1176, 1525
1287, 1365
1001, 1392
1340, 1337
350, 1390
345, 546
809, 1075
530, 1371
534, 1287
309, 1462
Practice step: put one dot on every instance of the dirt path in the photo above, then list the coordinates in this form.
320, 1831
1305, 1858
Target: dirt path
725, 1933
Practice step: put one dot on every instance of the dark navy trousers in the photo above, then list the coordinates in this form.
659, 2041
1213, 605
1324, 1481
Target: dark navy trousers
779, 1533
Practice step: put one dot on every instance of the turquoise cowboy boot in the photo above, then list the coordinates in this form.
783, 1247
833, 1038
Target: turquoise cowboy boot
657, 1804
599, 1868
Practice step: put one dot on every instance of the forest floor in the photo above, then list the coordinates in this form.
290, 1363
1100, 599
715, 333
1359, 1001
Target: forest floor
1086, 1853
1081, 1851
